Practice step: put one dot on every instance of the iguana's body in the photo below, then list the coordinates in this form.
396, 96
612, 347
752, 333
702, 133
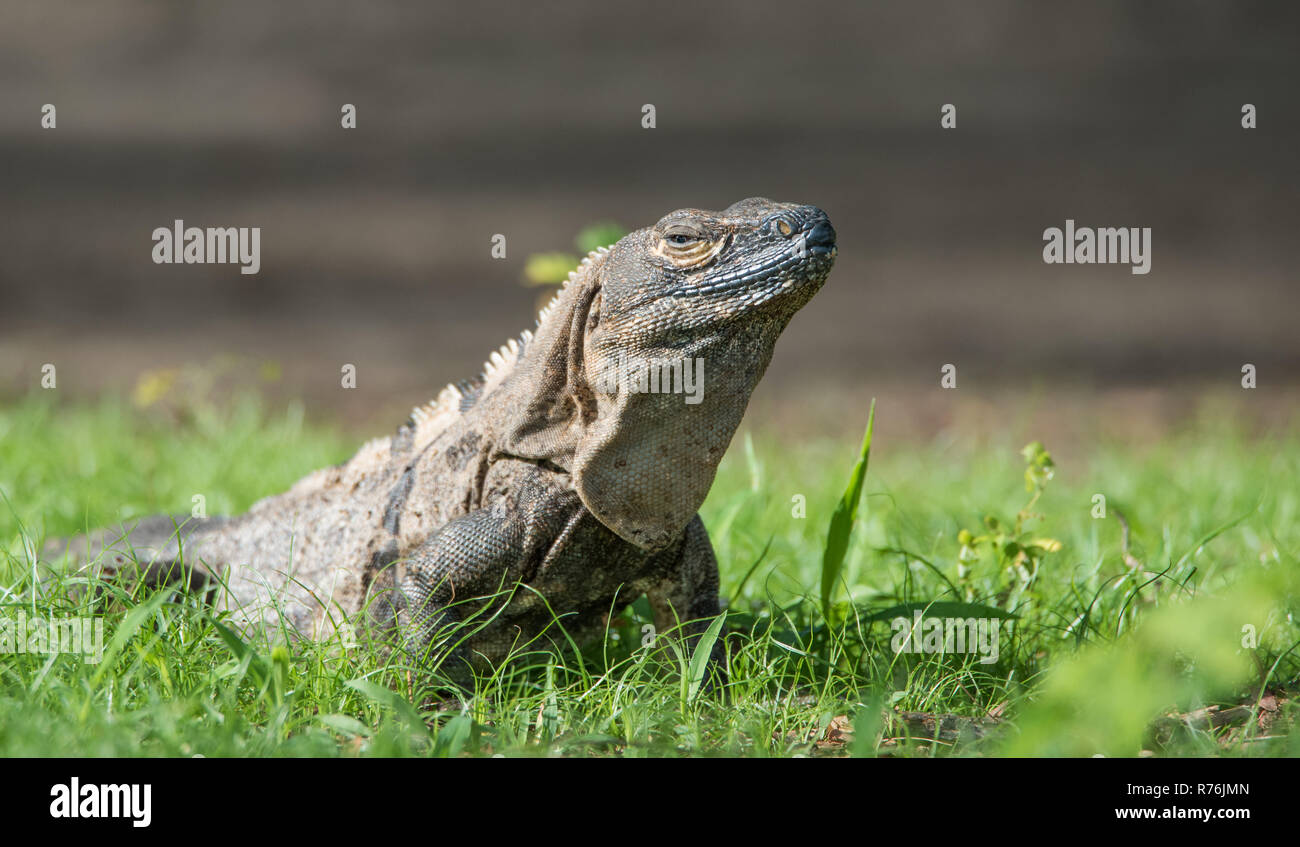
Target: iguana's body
542, 482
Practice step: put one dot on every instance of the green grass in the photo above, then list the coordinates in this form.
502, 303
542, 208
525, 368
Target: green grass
1092, 651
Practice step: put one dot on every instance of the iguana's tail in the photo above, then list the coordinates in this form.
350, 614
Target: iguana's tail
145, 551
273, 567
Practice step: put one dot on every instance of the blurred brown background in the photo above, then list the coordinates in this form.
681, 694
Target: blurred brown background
524, 119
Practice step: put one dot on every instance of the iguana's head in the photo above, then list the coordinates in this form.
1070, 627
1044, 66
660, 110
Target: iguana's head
641, 370
695, 268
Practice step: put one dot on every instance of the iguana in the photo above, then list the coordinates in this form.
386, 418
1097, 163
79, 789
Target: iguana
563, 483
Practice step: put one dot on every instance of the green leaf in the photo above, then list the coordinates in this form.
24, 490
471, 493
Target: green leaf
846, 512
250, 661
345, 725
598, 235
387, 697
867, 724
453, 736
125, 630
548, 268
700, 658
941, 610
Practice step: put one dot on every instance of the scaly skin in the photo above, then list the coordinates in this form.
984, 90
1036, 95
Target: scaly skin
544, 484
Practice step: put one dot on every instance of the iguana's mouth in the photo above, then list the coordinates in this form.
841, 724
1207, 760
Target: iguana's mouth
783, 271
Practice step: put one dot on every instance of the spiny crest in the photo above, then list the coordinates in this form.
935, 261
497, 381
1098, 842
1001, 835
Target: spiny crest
447, 399
433, 417
501, 359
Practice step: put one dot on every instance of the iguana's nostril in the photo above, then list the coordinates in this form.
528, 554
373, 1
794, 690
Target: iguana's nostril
821, 236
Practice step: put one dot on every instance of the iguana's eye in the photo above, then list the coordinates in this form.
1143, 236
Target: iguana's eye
687, 244
779, 224
681, 234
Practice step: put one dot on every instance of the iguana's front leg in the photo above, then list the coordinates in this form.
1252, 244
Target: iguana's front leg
470, 567
530, 562
476, 556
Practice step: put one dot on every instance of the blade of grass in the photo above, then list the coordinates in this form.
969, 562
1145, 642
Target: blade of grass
940, 610
846, 512
700, 658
